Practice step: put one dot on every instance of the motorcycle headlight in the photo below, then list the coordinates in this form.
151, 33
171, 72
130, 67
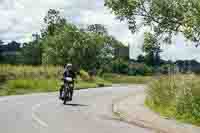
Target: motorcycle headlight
69, 79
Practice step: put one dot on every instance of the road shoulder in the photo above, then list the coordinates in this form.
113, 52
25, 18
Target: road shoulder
132, 110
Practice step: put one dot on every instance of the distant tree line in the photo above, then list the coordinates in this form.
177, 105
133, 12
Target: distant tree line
90, 48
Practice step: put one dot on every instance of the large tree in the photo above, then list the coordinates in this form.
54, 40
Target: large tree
89, 48
165, 17
151, 48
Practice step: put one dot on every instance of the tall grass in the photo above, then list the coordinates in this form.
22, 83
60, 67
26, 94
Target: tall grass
30, 79
32, 72
116, 78
176, 96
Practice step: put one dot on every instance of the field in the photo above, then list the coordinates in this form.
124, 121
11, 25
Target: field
176, 96
28, 79
16, 80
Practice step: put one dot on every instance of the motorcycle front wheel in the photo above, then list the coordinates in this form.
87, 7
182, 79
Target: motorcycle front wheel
66, 96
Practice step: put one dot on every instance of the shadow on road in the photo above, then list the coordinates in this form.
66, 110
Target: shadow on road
76, 105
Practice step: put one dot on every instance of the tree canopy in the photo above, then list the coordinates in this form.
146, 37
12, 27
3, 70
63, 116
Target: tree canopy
64, 42
165, 17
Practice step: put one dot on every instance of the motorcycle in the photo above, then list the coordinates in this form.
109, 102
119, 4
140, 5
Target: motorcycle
68, 88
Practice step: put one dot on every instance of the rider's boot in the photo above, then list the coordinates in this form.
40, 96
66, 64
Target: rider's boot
71, 95
60, 94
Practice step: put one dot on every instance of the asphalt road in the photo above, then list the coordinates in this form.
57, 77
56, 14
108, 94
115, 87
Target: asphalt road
89, 112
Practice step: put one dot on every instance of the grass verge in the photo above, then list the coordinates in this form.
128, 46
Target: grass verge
176, 97
116, 78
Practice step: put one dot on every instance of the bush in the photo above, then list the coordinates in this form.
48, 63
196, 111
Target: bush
3, 77
120, 66
84, 75
140, 69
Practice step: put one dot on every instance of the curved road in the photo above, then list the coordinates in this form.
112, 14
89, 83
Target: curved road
89, 112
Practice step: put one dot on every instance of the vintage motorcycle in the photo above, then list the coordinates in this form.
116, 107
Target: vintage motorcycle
68, 88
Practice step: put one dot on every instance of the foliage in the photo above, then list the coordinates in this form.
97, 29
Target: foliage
152, 49
176, 97
88, 49
10, 53
120, 66
165, 17
140, 59
97, 28
61, 42
84, 75
32, 52
54, 23
140, 69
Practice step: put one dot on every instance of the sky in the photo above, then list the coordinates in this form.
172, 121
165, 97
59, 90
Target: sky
19, 19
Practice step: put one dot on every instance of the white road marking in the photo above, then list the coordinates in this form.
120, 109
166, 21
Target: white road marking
39, 121
3, 99
35, 117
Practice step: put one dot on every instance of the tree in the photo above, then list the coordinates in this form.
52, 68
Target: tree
88, 49
54, 22
32, 51
1, 50
97, 28
85, 49
140, 59
1, 42
61, 42
165, 17
10, 52
13, 46
152, 49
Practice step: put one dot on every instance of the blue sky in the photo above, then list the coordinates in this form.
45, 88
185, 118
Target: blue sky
21, 18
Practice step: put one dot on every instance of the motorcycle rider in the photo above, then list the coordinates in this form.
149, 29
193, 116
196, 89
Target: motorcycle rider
68, 72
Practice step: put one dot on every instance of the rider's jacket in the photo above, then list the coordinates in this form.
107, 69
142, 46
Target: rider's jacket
69, 73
